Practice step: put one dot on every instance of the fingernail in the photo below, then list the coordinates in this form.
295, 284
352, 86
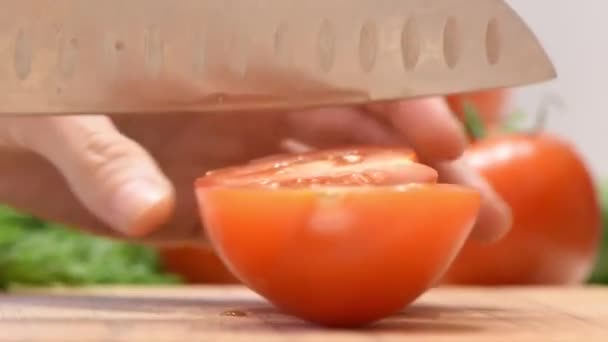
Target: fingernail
140, 206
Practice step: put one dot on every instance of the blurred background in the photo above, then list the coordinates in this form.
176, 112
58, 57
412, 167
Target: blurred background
575, 34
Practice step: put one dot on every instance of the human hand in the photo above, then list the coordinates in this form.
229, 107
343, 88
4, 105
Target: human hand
134, 174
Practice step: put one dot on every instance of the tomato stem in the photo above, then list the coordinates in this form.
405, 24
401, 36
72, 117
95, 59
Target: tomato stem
542, 113
472, 121
514, 121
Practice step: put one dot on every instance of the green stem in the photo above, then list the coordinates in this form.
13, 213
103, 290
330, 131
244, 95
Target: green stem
548, 101
514, 122
472, 121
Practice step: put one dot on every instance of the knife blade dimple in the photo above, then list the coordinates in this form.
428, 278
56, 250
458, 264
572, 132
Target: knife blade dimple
452, 49
368, 46
151, 56
410, 44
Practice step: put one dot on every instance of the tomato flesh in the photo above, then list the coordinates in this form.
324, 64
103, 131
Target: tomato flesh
333, 247
339, 167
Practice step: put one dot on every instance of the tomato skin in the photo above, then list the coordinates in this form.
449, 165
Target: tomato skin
195, 264
557, 220
490, 105
343, 256
338, 237
200, 264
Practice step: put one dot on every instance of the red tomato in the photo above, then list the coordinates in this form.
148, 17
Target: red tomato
490, 105
195, 264
556, 230
341, 237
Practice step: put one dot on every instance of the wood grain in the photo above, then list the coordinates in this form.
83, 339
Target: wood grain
215, 314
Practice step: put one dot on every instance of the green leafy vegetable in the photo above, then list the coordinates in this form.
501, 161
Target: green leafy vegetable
600, 272
37, 253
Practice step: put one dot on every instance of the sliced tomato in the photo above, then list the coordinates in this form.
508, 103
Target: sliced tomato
341, 237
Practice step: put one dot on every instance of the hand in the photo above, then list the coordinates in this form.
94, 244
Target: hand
134, 174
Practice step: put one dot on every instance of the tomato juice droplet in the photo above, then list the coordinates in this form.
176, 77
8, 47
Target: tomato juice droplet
234, 313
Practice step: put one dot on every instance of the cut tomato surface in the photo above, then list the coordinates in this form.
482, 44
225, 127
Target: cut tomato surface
337, 167
339, 237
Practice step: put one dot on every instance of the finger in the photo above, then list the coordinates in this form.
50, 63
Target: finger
427, 125
329, 127
110, 174
494, 219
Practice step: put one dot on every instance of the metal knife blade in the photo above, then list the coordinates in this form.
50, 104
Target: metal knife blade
151, 56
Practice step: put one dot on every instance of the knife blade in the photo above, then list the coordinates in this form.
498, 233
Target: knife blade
157, 56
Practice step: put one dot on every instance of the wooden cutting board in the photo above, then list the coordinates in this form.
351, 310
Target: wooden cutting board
236, 314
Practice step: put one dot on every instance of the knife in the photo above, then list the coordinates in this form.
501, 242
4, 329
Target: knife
166, 56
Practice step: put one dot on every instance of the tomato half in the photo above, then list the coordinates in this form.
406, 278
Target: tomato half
556, 229
340, 237
490, 105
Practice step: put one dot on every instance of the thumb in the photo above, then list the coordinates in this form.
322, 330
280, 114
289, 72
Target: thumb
114, 177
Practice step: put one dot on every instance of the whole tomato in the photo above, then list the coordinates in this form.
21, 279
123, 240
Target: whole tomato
490, 105
195, 264
556, 214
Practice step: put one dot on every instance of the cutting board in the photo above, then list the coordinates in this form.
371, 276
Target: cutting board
232, 313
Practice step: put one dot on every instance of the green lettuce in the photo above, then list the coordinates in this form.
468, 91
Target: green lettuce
34, 252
